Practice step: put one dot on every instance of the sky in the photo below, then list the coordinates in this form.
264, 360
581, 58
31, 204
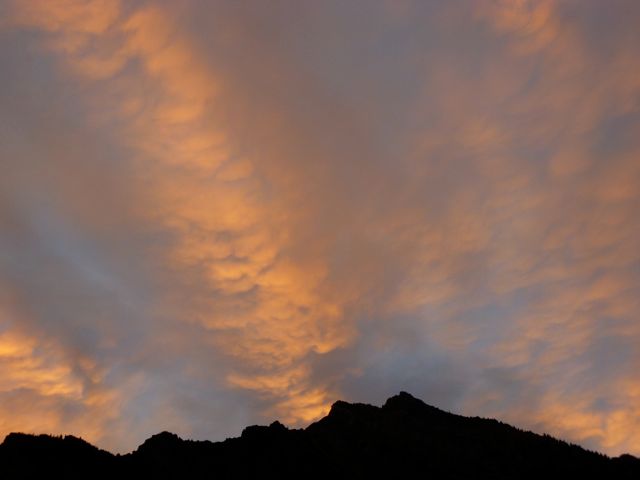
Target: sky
216, 214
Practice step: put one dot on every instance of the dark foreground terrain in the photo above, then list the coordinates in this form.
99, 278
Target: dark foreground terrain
403, 438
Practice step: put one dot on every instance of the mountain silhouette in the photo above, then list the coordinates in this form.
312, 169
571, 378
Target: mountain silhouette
404, 437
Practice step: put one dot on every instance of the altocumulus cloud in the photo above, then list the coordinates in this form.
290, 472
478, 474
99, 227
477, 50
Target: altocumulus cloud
219, 213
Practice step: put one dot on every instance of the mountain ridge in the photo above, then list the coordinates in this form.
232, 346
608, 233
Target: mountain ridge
354, 440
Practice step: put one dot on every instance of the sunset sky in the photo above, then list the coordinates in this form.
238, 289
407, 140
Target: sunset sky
215, 214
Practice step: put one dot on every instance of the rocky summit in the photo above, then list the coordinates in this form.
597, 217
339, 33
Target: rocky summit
405, 437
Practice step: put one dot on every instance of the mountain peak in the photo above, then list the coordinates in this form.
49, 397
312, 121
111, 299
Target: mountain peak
339, 406
258, 432
403, 401
164, 437
406, 403
160, 442
403, 437
404, 397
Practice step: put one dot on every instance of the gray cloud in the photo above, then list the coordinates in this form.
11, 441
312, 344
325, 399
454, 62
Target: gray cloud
217, 214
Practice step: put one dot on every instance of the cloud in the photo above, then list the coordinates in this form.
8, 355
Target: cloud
216, 215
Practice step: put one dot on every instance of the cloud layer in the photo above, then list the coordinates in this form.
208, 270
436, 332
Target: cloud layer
213, 214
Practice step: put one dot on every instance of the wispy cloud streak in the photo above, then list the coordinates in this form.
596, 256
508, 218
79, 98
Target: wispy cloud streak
221, 213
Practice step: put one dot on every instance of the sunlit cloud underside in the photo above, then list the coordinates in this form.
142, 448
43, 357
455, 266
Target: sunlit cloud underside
221, 213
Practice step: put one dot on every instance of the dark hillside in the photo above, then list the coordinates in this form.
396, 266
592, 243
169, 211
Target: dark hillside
403, 437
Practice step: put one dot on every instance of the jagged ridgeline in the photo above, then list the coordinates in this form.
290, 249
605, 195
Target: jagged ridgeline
403, 438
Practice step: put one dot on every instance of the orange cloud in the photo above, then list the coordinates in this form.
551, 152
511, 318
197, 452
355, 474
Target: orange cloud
311, 218
200, 192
